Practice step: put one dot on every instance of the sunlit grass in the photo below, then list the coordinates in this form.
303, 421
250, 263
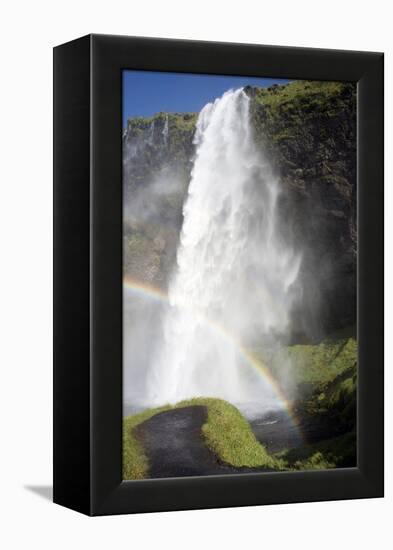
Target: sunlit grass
315, 364
329, 367
226, 432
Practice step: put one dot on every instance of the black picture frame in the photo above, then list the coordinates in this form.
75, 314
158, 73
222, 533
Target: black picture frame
88, 275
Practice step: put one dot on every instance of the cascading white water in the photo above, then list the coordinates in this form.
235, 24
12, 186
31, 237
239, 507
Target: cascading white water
234, 279
150, 137
165, 130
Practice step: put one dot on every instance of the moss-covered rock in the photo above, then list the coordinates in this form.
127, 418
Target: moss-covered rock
308, 131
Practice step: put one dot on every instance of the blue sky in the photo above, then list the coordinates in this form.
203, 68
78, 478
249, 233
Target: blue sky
146, 93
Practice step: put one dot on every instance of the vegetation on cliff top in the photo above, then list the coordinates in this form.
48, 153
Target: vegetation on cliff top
308, 128
300, 92
185, 121
311, 121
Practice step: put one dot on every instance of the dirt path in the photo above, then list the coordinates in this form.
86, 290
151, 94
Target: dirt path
174, 445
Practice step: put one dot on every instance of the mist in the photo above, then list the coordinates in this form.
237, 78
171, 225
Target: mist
235, 280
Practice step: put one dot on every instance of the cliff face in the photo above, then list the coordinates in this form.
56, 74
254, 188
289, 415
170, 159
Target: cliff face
308, 132
157, 160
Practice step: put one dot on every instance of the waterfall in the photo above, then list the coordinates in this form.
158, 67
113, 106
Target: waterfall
165, 130
150, 137
233, 283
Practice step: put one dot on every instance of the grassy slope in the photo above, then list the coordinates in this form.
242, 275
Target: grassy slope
328, 370
290, 110
226, 433
326, 375
317, 364
336, 452
325, 379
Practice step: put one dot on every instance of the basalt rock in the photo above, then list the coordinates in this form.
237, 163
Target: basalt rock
308, 130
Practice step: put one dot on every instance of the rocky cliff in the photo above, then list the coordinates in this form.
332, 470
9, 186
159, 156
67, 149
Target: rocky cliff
308, 132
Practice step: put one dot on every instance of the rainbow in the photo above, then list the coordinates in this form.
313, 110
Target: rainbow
152, 292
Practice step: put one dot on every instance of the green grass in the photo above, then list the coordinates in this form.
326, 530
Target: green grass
302, 125
312, 365
325, 379
135, 462
321, 363
334, 403
182, 121
226, 432
329, 372
284, 96
337, 452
